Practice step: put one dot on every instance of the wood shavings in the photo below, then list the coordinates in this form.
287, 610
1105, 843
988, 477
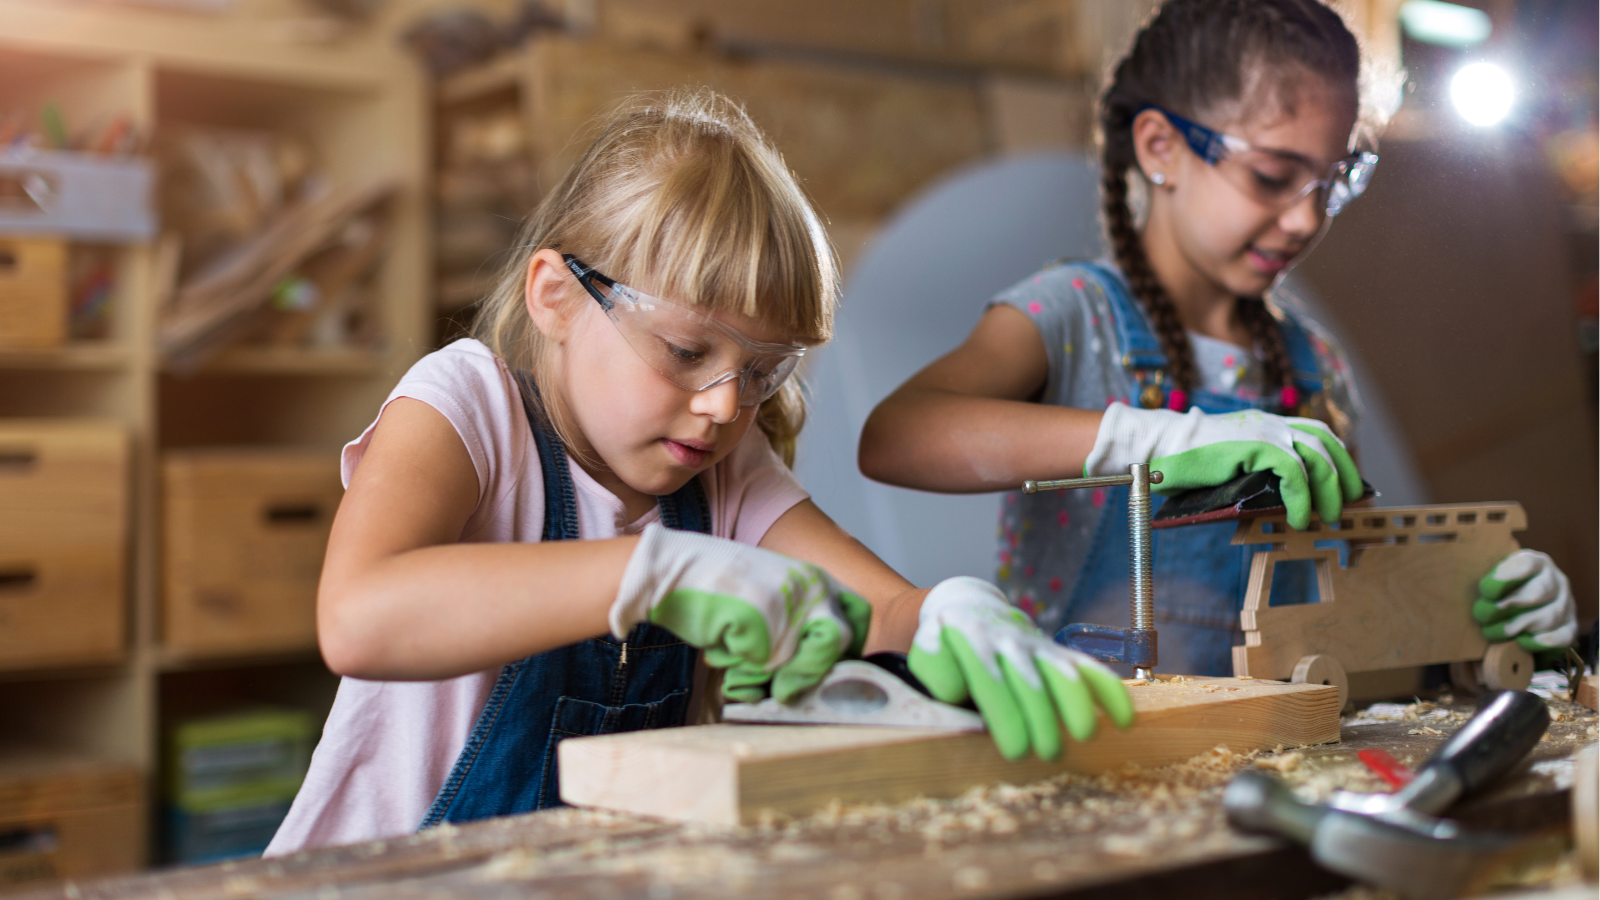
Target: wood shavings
1286, 762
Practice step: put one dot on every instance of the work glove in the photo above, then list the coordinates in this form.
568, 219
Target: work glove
1193, 450
1526, 597
761, 615
971, 642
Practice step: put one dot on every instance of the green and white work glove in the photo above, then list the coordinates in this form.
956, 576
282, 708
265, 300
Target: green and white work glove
761, 615
1526, 597
1195, 449
971, 642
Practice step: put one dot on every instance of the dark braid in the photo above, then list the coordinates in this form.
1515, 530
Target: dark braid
1192, 57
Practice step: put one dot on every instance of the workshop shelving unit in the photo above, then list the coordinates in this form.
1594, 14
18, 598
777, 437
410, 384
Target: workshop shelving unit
362, 108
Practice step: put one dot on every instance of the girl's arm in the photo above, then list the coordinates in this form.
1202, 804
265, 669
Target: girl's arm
969, 423
401, 599
805, 532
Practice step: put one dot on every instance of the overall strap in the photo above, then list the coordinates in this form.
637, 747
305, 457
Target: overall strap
560, 497
597, 686
1141, 349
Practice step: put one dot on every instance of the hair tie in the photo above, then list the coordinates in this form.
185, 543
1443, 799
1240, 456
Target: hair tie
1178, 400
1290, 397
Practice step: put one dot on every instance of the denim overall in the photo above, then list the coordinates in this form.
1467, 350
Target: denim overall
597, 686
1200, 577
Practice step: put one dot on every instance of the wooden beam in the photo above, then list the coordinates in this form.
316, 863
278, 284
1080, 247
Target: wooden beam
730, 774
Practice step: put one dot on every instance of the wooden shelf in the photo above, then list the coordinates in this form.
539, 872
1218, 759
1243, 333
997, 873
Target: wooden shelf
170, 660
87, 356
295, 361
360, 107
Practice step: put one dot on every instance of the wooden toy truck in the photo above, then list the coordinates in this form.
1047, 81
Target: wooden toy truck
1402, 598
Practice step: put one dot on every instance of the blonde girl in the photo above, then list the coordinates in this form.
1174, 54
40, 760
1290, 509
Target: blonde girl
559, 526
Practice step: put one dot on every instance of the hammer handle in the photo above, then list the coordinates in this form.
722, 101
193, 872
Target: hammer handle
1505, 728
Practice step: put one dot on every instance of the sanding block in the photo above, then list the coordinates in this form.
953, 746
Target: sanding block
1246, 497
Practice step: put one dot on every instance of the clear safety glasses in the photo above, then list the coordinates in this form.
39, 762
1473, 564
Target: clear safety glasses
689, 349
1275, 178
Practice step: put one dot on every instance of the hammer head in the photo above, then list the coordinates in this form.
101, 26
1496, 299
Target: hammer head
1421, 857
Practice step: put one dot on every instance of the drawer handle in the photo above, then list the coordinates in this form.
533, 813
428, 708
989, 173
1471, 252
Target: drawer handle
293, 513
18, 579
37, 839
16, 461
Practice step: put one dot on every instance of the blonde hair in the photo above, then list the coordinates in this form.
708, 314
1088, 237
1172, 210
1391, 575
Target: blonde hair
679, 195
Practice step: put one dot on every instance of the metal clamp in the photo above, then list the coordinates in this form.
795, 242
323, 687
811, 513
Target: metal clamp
1135, 646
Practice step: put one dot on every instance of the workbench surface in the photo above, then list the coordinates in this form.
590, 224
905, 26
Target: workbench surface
1158, 832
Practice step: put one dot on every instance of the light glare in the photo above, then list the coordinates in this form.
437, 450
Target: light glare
1445, 24
1482, 93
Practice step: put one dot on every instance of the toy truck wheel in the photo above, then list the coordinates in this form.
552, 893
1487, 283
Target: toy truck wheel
1320, 668
1507, 667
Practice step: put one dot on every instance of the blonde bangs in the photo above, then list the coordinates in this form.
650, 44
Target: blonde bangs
722, 227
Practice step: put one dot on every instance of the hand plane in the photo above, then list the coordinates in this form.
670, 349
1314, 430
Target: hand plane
878, 690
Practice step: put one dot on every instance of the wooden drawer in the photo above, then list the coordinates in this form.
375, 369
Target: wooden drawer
245, 532
63, 542
68, 820
33, 292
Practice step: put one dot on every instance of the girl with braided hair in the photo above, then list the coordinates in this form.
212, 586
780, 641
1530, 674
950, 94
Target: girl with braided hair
1229, 140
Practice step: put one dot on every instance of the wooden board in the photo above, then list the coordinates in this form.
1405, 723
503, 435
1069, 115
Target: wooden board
63, 542
1404, 599
1589, 691
728, 774
245, 534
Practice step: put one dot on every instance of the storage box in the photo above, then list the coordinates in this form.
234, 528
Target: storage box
85, 196
33, 291
231, 780
68, 819
63, 542
245, 531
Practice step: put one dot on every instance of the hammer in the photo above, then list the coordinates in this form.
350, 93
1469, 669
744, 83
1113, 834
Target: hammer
1392, 840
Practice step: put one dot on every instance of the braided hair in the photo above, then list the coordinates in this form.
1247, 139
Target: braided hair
1193, 56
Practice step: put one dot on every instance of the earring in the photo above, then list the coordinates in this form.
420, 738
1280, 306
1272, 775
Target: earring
1157, 178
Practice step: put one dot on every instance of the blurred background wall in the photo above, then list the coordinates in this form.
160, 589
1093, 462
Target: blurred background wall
333, 184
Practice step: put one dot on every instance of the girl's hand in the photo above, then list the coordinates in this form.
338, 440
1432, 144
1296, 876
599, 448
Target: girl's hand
760, 615
1526, 597
1198, 450
971, 642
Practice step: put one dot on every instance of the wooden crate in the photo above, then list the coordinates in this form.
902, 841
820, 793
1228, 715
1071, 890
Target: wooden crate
63, 542
244, 534
33, 292
68, 819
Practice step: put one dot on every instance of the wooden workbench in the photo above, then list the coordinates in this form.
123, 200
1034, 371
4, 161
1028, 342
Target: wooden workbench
1154, 833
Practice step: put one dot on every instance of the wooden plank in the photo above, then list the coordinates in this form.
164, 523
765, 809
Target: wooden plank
1404, 599
728, 774
1589, 691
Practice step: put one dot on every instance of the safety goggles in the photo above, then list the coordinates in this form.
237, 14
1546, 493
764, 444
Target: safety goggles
689, 349
1274, 178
